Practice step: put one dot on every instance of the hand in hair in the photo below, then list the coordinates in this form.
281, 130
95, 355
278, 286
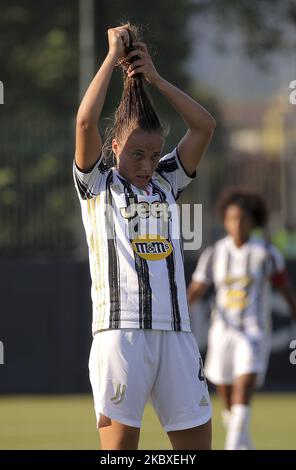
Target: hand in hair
119, 40
143, 63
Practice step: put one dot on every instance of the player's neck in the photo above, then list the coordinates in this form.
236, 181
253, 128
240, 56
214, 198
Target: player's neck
146, 190
239, 242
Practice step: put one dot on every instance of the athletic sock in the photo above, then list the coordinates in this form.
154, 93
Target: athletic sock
238, 436
225, 414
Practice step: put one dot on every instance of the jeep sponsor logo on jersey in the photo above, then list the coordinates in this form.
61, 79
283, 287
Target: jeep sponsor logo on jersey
152, 247
144, 210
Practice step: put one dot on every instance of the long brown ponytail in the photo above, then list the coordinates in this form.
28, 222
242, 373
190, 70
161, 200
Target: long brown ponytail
135, 108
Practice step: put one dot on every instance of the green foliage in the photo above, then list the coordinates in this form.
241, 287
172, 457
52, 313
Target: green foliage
39, 56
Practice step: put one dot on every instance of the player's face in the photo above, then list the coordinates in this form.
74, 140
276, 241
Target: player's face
237, 223
138, 156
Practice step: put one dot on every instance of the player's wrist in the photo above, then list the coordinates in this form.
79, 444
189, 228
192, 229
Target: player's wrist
112, 57
157, 81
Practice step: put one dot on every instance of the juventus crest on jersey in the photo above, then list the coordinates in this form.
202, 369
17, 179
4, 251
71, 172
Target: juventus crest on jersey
136, 261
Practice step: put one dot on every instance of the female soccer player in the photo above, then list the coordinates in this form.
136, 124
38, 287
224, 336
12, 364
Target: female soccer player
142, 344
239, 268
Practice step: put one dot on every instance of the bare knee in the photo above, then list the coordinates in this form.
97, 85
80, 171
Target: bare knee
225, 393
243, 389
240, 395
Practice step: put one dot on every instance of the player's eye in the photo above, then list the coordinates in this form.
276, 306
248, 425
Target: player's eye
138, 154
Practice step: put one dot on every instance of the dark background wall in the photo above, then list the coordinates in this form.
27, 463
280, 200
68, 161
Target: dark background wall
45, 326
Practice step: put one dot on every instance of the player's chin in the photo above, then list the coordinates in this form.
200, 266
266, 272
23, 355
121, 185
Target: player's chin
141, 181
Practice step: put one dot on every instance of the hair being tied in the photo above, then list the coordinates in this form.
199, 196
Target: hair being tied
135, 108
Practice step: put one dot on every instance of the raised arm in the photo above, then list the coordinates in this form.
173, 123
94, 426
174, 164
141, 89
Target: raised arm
199, 122
88, 139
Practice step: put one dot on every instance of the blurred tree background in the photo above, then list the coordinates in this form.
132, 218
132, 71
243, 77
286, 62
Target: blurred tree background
39, 57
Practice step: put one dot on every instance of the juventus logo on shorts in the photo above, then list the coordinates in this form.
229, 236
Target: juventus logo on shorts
119, 394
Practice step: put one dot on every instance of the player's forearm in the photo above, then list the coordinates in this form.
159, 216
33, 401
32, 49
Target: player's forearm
192, 297
92, 104
195, 292
195, 116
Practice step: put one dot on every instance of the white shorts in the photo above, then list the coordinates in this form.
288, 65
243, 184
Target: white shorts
232, 353
129, 366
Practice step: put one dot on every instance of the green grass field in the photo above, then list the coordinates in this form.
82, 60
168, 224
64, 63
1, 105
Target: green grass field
68, 422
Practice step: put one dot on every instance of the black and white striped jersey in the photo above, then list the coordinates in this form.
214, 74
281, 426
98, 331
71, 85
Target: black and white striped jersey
135, 252
241, 278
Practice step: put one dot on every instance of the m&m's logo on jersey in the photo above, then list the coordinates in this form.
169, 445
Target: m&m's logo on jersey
152, 247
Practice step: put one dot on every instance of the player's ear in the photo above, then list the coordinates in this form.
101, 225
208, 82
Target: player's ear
115, 147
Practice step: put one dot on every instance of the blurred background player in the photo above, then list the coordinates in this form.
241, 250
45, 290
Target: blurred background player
239, 268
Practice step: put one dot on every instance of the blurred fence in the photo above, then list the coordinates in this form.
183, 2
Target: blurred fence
39, 210
36, 190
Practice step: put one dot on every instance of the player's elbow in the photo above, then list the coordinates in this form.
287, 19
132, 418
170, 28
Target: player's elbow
209, 125
205, 128
84, 123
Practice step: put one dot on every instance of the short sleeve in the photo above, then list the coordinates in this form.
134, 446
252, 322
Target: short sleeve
89, 183
204, 268
171, 168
